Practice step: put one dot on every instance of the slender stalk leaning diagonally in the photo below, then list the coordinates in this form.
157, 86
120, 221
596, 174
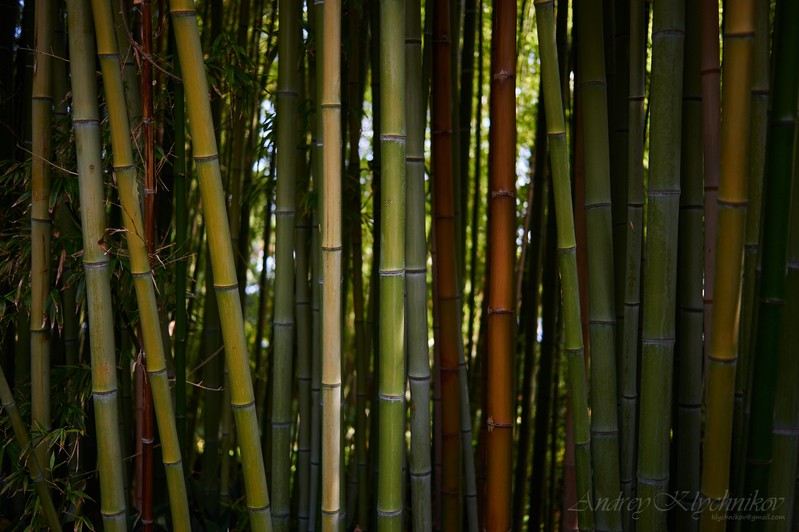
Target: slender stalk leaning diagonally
125, 171
556, 132
206, 158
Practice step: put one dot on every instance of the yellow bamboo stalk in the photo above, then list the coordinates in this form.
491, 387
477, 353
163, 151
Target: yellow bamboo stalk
125, 170
206, 157
331, 264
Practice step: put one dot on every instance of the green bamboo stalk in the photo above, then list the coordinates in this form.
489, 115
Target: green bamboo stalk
757, 166
733, 189
302, 311
330, 101
660, 259
785, 443
41, 132
628, 389
544, 389
316, 363
689, 279
776, 208
599, 231
125, 171
316, 14
711, 132
556, 132
416, 274
392, 265
23, 439
213, 373
225, 283
288, 80
501, 255
130, 71
85, 118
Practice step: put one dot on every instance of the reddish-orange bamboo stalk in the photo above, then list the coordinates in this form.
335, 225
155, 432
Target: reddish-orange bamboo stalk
502, 252
147, 434
445, 266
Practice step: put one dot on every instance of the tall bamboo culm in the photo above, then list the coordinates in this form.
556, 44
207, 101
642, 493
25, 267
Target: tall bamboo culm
628, 389
330, 101
41, 132
660, 259
732, 202
85, 120
206, 159
23, 439
501, 255
757, 167
444, 263
785, 442
558, 150
416, 273
599, 230
711, 132
125, 170
687, 428
392, 265
281, 374
774, 241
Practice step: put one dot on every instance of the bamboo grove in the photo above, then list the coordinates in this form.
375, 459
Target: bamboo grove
399, 265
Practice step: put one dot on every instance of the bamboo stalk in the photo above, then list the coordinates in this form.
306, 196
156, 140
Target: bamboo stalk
392, 266
599, 232
330, 101
21, 435
689, 279
147, 434
445, 265
85, 119
302, 311
628, 389
757, 167
416, 274
785, 443
225, 283
660, 259
181, 266
711, 132
125, 171
733, 189
288, 79
502, 254
556, 132
41, 133
776, 209
316, 15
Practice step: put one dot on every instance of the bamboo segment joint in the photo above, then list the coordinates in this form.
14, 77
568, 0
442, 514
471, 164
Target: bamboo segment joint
391, 398
243, 406
226, 288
